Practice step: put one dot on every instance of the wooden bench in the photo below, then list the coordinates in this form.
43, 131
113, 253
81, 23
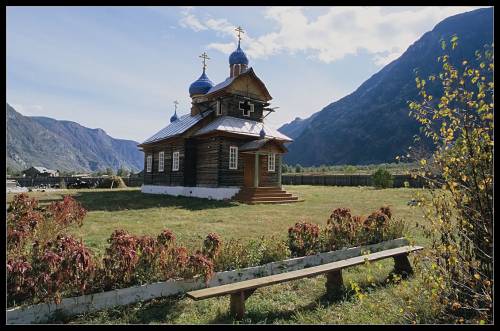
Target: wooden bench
240, 291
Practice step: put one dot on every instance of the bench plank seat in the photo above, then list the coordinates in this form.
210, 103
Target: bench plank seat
297, 274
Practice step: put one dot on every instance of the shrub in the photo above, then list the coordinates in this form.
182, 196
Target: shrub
350, 169
341, 229
382, 178
303, 239
212, 245
235, 254
44, 262
460, 121
345, 230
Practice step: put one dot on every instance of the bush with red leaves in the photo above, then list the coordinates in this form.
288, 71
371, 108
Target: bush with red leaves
212, 245
303, 239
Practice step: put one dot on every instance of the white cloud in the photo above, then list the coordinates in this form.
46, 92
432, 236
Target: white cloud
189, 20
339, 32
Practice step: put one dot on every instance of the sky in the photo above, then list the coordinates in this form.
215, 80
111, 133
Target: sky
121, 68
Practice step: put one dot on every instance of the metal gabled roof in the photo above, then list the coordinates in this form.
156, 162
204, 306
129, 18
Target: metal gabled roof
241, 126
221, 85
254, 144
181, 125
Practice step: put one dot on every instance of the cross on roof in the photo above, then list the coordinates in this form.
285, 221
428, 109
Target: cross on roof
205, 57
175, 105
239, 29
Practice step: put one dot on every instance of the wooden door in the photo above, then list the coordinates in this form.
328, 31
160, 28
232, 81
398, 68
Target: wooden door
190, 163
248, 169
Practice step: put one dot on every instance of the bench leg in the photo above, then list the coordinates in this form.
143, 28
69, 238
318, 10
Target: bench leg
334, 284
402, 265
238, 303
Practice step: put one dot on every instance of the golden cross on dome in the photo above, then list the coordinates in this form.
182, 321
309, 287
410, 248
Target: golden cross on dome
205, 57
175, 105
239, 29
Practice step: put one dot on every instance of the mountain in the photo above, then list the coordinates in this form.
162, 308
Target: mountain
65, 145
372, 124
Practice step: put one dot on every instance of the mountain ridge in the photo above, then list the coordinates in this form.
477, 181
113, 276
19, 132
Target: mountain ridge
371, 124
65, 145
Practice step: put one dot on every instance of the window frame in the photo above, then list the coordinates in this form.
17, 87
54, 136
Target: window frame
149, 163
218, 109
233, 157
161, 161
271, 157
175, 161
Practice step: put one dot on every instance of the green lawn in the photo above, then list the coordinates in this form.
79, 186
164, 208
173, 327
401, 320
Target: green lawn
300, 301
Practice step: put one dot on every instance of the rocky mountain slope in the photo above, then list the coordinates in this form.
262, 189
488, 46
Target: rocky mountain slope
372, 125
65, 145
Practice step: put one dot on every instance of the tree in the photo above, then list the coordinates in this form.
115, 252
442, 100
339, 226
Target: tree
109, 172
382, 178
459, 120
298, 168
122, 172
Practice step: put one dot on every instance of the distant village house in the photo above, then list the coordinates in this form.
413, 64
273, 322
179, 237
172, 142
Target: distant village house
40, 172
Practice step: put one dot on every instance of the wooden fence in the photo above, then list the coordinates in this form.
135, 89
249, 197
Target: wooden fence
348, 180
97, 181
325, 180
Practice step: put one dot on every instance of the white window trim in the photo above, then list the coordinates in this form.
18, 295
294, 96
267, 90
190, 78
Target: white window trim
233, 157
161, 162
249, 112
175, 161
271, 162
149, 163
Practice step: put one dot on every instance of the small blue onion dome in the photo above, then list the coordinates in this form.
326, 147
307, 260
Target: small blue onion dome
201, 85
262, 133
174, 117
238, 57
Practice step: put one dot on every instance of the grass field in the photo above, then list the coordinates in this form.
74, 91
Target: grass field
300, 301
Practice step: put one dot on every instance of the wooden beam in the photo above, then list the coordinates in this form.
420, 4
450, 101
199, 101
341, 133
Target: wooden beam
402, 265
256, 171
334, 284
237, 303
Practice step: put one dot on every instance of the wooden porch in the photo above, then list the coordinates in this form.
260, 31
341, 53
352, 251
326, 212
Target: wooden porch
262, 183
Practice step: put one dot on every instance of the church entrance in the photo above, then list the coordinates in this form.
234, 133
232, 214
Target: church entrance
248, 170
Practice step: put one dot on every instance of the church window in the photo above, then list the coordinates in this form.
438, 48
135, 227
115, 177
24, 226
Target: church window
247, 108
218, 108
175, 161
149, 162
161, 161
271, 162
233, 157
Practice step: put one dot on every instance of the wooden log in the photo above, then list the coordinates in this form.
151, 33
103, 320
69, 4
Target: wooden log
237, 303
402, 265
334, 284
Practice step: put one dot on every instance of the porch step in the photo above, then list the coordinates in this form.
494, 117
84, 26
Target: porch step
273, 198
272, 194
274, 202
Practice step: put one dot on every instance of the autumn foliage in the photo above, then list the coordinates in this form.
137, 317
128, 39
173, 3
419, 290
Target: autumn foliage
459, 120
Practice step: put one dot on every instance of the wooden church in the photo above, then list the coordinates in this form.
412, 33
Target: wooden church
223, 149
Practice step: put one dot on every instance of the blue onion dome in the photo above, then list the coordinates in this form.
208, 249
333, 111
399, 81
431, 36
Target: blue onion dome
201, 85
238, 57
262, 133
174, 117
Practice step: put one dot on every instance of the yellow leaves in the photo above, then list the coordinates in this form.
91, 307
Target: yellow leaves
423, 162
464, 178
477, 276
